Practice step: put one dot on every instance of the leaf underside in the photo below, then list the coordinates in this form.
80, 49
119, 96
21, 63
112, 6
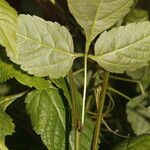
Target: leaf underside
138, 114
8, 25
124, 48
95, 16
45, 48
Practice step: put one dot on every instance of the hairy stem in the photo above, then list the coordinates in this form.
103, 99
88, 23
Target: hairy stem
100, 112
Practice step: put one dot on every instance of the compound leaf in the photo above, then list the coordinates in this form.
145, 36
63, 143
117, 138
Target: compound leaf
138, 114
8, 25
124, 48
95, 16
137, 143
45, 48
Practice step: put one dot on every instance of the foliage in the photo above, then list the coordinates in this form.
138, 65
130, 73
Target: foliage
72, 104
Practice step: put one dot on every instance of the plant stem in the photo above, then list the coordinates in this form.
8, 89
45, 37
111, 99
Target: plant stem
119, 93
85, 82
100, 112
74, 110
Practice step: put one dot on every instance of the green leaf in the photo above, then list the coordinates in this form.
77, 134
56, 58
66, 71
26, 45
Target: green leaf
8, 25
9, 71
7, 100
45, 48
137, 143
53, 1
61, 83
138, 15
6, 125
95, 16
47, 114
124, 48
85, 137
138, 114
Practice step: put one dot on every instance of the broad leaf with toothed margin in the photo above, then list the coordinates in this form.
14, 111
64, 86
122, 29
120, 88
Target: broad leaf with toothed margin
96, 16
47, 113
45, 48
124, 48
8, 25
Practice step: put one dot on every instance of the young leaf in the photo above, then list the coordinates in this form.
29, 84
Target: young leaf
9, 71
138, 114
95, 16
8, 24
124, 48
47, 113
7, 100
137, 143
138, 15
45, 48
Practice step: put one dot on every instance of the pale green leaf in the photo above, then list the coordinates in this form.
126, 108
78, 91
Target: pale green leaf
47, 114
138, 114
137, 143
6, 124
138, 15
7, 100
45, 48
124, 48
95, 16
8, 70
8, 25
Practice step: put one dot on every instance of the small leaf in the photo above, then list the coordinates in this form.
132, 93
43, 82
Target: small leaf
7, 100
47, 114
6, 125
96, 16
137, 143
8, 70
45, 48
138, 114
138, 15
53, 1
124, 48
8, 25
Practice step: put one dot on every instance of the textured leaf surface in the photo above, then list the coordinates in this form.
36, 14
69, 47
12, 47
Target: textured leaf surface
85, 137
95, 16
125, 48
138, 114
45, 48
47, 114
137, 143
6, 125
9, 71
8, 24
138, 15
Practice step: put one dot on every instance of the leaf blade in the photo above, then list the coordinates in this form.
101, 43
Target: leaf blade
8, 28
125, 48
93, 17
45, 48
